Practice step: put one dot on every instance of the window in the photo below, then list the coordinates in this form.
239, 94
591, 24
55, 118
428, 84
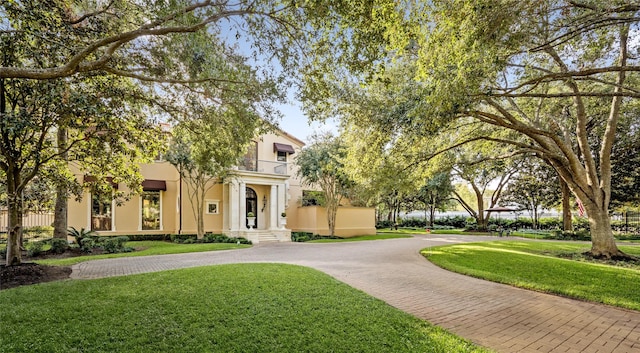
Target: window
250, 160
212, 207
101, 211
151, 210
282, 156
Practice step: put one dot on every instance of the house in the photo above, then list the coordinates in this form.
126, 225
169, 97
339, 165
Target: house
264, 184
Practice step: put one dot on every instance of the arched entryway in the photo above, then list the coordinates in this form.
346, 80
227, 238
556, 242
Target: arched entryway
252, 204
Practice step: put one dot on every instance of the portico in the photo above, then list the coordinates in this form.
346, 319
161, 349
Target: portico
266, 197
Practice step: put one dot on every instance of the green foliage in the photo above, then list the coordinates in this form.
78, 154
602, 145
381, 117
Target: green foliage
208, 238
312, 198
84, 238
303, 236
321, 164
113, 245
35, 248
58, 246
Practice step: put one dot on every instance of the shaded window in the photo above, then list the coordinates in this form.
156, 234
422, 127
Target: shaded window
212, 207
250, 161
150, 210
282, 156
101, 211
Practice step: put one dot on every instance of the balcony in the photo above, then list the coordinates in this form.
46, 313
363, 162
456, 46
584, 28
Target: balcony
260, 166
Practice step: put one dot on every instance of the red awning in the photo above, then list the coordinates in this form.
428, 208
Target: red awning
281, 147
92, 179
154, 185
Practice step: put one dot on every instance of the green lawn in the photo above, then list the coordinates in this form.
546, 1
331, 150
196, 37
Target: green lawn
228, 308
363, 237
535, 265
149, 247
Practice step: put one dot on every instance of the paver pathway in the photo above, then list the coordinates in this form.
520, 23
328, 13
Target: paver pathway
500, 317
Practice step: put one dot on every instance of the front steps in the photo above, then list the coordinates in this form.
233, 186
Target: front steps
263, 235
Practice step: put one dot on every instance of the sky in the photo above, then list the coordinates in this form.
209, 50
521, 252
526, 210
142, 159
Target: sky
296, 123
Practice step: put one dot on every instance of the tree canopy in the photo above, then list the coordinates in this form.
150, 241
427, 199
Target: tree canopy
539, 70
320, 164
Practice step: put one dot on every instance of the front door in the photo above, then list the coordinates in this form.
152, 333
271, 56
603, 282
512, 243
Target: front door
252, 205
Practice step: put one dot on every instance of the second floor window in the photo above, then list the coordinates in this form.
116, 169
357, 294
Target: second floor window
282, 156
250, 161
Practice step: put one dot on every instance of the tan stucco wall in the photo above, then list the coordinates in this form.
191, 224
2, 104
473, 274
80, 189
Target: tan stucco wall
350, 221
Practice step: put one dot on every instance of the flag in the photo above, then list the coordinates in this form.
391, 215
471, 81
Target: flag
581, 211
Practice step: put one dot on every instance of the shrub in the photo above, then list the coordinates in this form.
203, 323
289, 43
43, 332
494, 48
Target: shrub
85, 238
306, 236
581, 234
3, 253
181, 238
87, 244
58, 246
301, 236
470, 224
379, 224
141, 237
35, 248
221, 238
451, 221
114, 245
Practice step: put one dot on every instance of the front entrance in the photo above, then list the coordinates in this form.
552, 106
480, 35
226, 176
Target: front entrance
252, 205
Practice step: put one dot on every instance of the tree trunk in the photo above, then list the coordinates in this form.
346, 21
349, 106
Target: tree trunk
432, 211
567, 222
60, 210
200, 214
60, 213
332, 210
603, 243
14, 231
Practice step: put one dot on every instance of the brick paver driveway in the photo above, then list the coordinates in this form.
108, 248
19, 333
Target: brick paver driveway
500, 317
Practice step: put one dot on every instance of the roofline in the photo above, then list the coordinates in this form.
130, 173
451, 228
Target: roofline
288, 135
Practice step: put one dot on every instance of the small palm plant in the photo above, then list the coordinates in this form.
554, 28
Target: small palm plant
84, 237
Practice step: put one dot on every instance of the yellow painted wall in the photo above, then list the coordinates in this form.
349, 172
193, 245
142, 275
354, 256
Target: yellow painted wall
350, 221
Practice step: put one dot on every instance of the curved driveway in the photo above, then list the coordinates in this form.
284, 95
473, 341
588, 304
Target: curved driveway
497, 316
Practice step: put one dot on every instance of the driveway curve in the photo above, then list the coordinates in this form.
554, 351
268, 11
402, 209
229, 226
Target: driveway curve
496, 316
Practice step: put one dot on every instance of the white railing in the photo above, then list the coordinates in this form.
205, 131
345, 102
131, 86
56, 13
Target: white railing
261, 166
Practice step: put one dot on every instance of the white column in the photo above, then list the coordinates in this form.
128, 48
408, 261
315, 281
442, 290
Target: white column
243, 206
273, 207
233, 210
281, 201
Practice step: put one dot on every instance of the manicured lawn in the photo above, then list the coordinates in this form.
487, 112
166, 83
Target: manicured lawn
228, 308
535, 265
148, 248
363, 237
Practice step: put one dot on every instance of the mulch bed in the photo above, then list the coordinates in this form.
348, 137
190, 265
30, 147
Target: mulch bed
31, 273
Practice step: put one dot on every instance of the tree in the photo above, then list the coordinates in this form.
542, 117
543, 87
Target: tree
541, 70
321, 164
204, 149
535, 186
436, 194
107, 132
480, 175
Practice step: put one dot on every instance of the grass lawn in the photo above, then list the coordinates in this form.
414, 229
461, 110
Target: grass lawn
149, 247
536, 265
227, 308
378, 236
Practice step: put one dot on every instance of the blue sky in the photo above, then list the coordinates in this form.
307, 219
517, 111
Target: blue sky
296, 123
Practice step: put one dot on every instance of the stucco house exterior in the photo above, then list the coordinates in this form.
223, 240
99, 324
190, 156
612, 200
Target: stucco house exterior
265, 184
